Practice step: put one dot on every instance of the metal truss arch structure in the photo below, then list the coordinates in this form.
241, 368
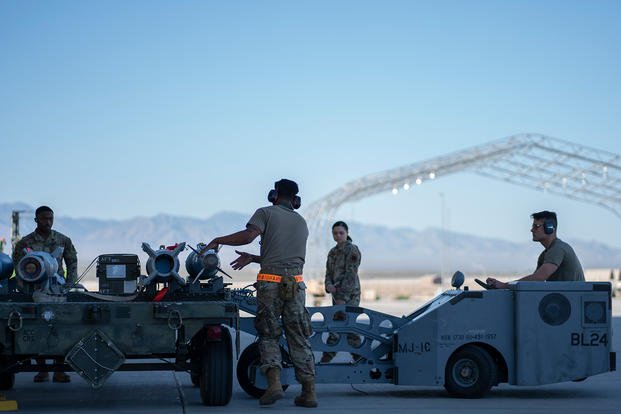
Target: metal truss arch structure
533, 160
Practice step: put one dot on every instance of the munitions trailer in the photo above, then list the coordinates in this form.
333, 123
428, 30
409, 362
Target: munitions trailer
156, 322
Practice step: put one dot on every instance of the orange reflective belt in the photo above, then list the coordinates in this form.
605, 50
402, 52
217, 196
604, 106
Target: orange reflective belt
266, 277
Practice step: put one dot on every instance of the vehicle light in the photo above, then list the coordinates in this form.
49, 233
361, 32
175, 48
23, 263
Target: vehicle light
214, 332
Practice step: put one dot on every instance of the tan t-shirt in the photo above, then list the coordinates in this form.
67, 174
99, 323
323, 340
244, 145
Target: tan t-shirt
283, 236
562, 255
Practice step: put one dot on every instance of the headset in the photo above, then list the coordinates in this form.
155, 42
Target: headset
296, 201
548, 226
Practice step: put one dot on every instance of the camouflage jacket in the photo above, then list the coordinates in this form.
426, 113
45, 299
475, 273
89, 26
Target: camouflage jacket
342, 268
37, 242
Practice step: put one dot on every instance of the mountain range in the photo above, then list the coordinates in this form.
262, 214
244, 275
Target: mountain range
383, 249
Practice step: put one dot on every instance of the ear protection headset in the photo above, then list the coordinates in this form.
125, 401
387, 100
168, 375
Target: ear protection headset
296, 201
548, 226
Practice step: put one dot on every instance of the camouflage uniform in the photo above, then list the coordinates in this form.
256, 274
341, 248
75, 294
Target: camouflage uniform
37, 242
295, 321
342, 273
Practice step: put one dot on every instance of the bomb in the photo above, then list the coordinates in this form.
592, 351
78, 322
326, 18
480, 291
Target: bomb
163, 264
38, 268
202, 266
6, 266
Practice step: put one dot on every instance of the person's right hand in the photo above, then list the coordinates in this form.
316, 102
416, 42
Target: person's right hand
497, 284
211, 245
331, 289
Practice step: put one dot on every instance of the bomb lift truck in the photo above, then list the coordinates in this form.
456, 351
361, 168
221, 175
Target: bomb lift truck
468, 341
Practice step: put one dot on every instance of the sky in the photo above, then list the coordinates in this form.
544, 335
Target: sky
120, 109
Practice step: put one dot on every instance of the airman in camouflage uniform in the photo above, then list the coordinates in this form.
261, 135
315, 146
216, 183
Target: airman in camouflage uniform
342, 282
44, 239
280, 289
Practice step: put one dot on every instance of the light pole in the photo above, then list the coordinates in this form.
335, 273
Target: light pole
442, 235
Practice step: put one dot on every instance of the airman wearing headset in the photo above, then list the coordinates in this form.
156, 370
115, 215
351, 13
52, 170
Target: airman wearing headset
558, 262
281, 291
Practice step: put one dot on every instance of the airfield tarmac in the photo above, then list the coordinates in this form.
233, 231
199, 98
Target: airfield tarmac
173, 392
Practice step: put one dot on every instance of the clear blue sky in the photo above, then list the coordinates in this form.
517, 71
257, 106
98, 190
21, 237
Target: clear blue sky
122, 109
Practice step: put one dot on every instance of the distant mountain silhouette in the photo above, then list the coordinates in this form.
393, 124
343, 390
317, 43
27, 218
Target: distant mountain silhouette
383, 248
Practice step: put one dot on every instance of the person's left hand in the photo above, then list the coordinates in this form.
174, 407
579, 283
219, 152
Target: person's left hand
243, 260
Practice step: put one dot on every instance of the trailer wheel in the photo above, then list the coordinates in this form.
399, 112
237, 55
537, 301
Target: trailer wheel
216, 377
196, 366
470, 373
7, 378
247, 367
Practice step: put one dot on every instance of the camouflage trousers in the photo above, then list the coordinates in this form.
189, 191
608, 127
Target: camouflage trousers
296, 323
353, 340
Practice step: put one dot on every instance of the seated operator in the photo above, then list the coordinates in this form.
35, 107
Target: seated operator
557, 262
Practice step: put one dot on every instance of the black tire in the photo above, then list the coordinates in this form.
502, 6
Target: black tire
7, 377
7, 380
247, 367
470, 373
216, 377
195, 364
